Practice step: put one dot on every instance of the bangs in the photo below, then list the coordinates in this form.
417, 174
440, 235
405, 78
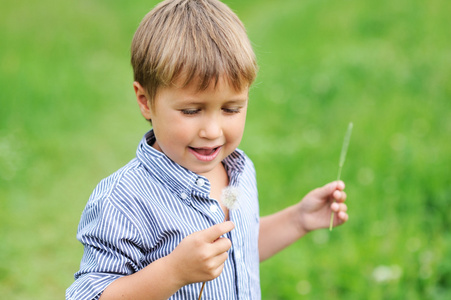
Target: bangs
197, 42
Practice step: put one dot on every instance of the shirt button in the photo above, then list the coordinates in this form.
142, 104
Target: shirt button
214, 208
237, 254
200, 182
183, 196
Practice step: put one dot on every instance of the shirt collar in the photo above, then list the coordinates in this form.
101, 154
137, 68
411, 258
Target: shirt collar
178, 179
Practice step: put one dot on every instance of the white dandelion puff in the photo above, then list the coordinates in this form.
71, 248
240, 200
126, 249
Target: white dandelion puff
229, 197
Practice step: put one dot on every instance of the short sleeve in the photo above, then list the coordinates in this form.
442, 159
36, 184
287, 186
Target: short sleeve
111, 250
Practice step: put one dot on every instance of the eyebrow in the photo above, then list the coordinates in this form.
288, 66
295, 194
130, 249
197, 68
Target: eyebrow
239, 100
197, 102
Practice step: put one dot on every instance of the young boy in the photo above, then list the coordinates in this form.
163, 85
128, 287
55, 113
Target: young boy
155, 229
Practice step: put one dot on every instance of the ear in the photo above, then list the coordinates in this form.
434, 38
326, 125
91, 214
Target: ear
143, 100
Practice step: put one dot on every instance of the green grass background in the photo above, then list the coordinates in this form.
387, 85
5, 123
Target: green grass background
68, 118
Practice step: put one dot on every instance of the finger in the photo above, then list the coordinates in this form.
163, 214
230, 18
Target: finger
339, 196
221, 245
343, 207
341, 185
343, 216
217, 265
216, 231
338, 207
219, 259
328, 189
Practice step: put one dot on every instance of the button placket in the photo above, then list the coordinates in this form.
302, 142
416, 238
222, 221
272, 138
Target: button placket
201, 200
200, 182
214, 208
238, 246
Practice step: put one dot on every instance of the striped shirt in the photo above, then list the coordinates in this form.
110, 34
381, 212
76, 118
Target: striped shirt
142, 212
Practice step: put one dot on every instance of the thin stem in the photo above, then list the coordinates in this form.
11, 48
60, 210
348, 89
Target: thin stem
344, 150
203, 284
201, 291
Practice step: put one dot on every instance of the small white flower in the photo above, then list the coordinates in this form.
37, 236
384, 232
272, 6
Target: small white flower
387, 273
303, 287
229, 197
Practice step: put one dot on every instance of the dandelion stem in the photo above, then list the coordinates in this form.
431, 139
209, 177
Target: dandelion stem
344, 150
201, 291
229, 197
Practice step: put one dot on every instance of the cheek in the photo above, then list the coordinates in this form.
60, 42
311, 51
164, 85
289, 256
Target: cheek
171, 130
168, 122
236, 129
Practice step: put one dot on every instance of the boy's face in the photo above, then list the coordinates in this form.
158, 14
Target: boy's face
195, 129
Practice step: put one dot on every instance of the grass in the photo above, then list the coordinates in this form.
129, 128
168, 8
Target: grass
344, 150
68, 118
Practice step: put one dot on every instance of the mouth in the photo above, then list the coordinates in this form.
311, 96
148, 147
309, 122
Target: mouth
205, 154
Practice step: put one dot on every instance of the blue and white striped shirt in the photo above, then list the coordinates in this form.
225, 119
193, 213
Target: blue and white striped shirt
143, 211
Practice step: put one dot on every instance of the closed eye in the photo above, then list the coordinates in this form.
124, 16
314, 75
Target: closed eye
192, 111
233, 110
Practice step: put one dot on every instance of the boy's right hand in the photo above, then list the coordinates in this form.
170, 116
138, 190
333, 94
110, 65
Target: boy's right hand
200, 256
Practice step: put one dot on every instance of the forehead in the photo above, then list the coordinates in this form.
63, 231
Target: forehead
216, 91
222, 84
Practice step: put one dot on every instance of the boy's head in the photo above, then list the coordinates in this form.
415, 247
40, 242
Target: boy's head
187, 42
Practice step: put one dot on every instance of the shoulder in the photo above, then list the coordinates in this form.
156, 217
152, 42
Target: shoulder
247, 164
240, 168
118, 204
122, 177
238, 160
122, 191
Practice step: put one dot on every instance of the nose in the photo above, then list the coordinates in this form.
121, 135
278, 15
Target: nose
211, 127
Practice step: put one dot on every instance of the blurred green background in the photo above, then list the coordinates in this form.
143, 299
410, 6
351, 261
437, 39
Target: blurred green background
68, 118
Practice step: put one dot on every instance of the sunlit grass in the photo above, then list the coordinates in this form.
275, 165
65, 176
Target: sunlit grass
344, 151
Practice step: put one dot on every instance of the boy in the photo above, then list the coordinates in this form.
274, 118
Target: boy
155, 229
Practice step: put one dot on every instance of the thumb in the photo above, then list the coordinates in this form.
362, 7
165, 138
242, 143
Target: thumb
216, 231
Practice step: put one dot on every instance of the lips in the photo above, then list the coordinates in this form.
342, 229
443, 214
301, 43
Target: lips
205, 154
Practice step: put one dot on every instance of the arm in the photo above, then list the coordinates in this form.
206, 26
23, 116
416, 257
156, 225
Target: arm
156, 281
199, 257
279, 230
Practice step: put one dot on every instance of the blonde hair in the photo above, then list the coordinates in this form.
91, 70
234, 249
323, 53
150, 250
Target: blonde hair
191, 41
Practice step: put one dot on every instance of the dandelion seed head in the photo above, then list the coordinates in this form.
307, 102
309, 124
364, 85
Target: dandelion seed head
229, 197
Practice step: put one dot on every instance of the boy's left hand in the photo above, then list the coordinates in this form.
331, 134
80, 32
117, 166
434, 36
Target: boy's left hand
317, 206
